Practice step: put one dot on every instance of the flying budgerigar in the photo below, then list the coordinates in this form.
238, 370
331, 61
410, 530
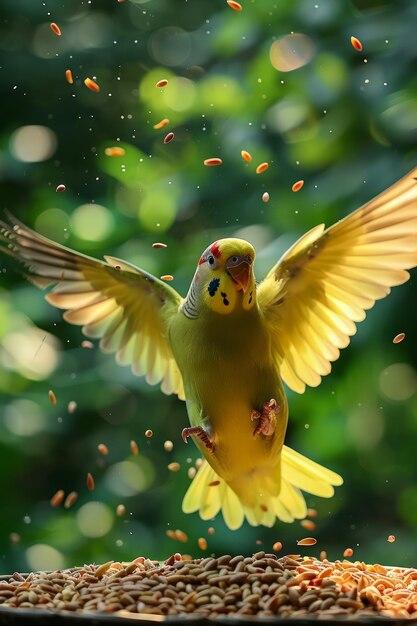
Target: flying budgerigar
227, 346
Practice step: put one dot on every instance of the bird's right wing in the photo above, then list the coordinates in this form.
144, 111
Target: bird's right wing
122, 305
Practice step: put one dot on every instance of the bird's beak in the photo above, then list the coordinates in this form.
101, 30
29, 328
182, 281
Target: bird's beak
240, 269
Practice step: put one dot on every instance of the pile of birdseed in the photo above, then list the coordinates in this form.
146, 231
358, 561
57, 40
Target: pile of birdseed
262, 585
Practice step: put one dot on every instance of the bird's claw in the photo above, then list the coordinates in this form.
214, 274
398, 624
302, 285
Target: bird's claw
266, 418
198, 431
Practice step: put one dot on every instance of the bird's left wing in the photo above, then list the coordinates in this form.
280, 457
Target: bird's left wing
124, 306
312, 298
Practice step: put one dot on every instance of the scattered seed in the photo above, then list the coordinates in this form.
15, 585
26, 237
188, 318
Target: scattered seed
234, 5
211, 530
55, 29
262, 168
68, 76
159, 245
72, 407
52, 396
90, 482
308, 524
198, 462
161, 124
391, 538
246, 156
191, 472
214, 483
115, 151
70, 499
120, 510
100, 571
57, 498
265, 197
356, 43
323, 555
103, 449
60, 188
15, 538
161, 83
348, 553
297, 186
202, 543
168, 445
168, 138
167, 277
134, 447
277, 546
171, 534
174, 467
399, 338
312, 513
181, 536
87, 344
307, 541
92, 85
148, 433
212, 162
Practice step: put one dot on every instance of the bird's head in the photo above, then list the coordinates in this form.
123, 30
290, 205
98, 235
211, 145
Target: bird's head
224, 280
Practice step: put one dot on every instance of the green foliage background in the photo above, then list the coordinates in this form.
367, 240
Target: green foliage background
346, 123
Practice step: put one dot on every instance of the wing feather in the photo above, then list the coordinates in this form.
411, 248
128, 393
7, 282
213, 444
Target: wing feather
322, 286
114, 301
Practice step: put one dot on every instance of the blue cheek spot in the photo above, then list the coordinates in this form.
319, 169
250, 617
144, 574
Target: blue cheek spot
213, 286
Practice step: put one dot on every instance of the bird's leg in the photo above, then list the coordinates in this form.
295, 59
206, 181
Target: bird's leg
266, 418
198, 431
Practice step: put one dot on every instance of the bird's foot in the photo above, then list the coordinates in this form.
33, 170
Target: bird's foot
266, 418
198, 431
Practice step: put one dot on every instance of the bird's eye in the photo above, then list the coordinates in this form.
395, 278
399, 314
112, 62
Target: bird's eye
234, 259
211, 260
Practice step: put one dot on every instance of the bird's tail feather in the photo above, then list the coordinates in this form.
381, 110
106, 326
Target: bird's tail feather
209, 493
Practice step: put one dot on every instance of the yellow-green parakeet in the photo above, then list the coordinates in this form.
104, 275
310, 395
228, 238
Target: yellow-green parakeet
227, 346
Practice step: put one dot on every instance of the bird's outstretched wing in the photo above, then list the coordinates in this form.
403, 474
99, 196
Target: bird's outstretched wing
324, 283
124, 306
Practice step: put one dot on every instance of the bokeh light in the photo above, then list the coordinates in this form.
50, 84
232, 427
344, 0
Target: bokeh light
32, 144
95, 519
291, 52
41, 556
92, 222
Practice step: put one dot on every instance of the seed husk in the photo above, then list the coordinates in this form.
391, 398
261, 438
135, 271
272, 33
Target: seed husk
158, 244
169, 137
236, 6
161, 83
60, 188
307, 541
399, 338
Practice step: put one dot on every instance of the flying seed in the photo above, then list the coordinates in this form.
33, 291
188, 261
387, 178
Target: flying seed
70, 499
68, 76
92, 85
168, 445
262, 168
103, 449
265, 197
246, 156
52, 396
212, 162
55, 29
57, 498
202, 543
181, 536
161, 83
391, 538
60, 188
399, 338
323, 555
312, 513
191, 472
308, 524
234, 5
159, 245
134, 447
90, 482
348, 553
307, 541
164, 122
297, 186
148, 433
168, 138
211, 530
167, 277
264, 508
277, 546
15, 538
120, 510
171, 534
174, 467
115, 151
214, 483
198, 462
87, 344
72, 407
356, 43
